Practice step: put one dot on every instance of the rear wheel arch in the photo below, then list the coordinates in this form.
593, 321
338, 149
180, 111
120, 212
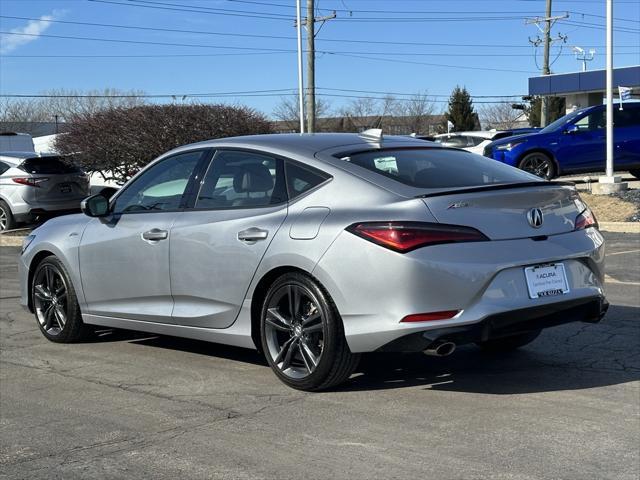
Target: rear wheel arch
260, 293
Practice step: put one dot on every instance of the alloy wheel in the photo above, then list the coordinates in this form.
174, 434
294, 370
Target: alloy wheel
294, 331
538, 165
50, 299
3, 219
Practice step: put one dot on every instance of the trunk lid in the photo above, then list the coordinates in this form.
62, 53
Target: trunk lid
507, 211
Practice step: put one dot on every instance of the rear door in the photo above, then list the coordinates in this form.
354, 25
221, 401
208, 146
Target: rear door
627, 136
217, 245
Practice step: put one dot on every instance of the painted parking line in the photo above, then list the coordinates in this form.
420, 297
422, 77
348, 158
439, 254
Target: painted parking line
622, 253
608, 279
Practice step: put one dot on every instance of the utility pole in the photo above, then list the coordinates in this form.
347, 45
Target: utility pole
311, 68
300, 81
546, 32
310, 23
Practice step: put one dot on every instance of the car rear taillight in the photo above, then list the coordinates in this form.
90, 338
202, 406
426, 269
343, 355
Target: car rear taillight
585, 220
28, 181
406, 236
430, 317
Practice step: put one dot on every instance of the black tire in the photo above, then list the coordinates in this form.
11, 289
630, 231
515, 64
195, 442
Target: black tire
539, 164
635, 172
7, 222
508, 344
321, 339
52, 292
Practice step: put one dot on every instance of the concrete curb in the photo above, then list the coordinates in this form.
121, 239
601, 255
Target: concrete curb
10, 241
620, 227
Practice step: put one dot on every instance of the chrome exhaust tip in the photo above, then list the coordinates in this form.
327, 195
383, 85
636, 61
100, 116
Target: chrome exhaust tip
440, 349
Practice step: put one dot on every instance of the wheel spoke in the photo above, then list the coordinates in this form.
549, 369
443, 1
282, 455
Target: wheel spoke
294, 300
48, 316
59, 314
310, 360
287, 358
42, 294
277, 321
285, 349
311, 319
49, 275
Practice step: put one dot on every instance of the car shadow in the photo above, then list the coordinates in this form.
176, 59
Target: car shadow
570, 357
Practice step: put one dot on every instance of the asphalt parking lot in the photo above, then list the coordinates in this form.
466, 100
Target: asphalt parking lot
137, 406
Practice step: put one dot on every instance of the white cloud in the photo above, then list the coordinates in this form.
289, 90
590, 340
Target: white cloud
32, 30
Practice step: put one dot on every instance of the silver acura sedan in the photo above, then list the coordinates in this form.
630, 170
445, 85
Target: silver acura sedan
316, 248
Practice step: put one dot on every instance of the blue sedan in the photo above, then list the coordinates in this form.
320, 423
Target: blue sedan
574, 143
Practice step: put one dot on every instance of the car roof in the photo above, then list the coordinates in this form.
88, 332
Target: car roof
20, 156
306, 144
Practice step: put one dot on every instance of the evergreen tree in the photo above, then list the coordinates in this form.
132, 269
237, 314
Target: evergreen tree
534, 110
461, 112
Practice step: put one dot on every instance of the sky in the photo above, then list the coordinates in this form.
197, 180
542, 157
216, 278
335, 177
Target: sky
246, 49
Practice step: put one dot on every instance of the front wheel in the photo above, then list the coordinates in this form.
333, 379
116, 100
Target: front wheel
55, 304
507, 344
539, 164
302, 335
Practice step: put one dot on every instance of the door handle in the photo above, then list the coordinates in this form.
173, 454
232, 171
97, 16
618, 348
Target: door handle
155, 234
253, 234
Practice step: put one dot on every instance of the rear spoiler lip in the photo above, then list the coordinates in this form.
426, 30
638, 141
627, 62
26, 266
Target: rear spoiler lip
499, 186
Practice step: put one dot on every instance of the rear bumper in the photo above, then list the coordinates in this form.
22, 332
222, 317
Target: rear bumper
590, 310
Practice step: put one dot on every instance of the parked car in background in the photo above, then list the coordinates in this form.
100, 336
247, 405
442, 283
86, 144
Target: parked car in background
316, 248
574, 143
34, 186
16, 142
475, 142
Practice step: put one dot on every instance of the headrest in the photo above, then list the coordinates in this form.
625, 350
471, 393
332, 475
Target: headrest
253, 177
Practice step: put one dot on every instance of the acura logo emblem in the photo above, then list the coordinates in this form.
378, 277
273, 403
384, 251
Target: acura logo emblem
535, 217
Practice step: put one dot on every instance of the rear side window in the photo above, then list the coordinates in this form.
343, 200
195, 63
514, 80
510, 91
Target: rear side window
437, 168
3, 167
238, 179
49, 166
300, 179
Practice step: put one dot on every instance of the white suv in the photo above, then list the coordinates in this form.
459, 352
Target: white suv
33, 186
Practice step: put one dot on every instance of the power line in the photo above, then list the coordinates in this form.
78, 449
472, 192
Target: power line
362, 55
279, 37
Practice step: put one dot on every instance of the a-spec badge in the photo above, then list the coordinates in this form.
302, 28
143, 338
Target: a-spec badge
458, 205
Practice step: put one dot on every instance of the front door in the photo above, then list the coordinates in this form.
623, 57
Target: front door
584, 147
217, 245
124, 257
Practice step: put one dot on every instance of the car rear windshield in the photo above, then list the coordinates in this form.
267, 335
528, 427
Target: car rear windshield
49, 165
437, 168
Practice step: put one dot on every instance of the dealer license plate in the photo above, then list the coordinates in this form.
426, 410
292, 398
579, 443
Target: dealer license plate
546, 280
64, 188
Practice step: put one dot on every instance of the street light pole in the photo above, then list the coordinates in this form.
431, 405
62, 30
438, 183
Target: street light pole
300, 81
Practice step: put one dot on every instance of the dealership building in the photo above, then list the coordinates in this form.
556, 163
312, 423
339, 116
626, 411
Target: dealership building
584, 89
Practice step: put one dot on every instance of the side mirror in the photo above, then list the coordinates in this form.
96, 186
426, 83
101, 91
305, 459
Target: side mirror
95, 206
571, 129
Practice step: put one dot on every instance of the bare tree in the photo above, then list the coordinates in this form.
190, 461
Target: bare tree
119, 141
499, 116
287, 110
418, 110
64, 105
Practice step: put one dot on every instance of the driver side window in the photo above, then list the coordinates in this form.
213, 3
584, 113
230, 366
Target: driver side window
592, 122
161, 187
